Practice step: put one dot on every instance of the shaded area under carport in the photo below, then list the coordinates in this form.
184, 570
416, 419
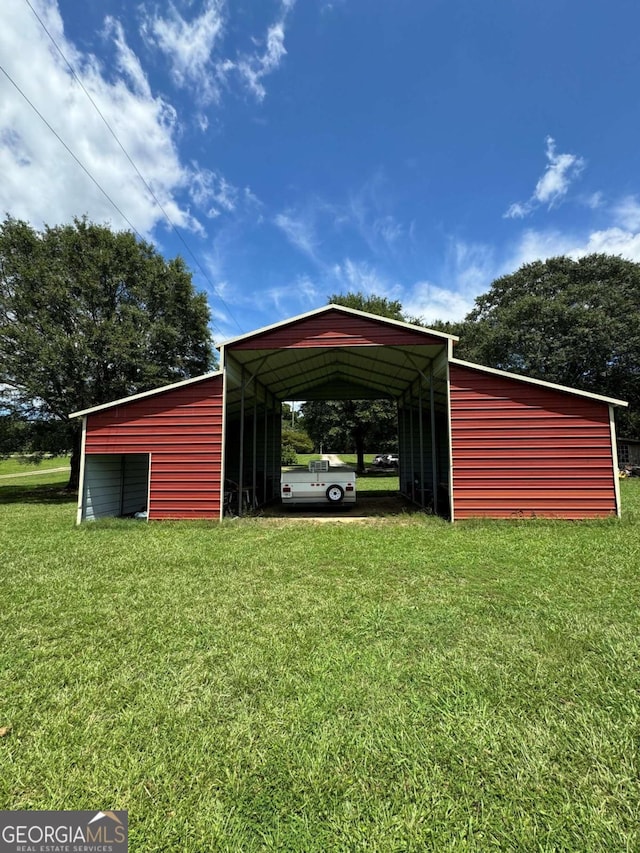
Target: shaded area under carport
367, 506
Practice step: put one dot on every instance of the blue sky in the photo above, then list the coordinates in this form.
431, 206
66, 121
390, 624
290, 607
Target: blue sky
415, 149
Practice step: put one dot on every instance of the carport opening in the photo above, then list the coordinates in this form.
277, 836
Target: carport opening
420, 474
116, 486
337, 354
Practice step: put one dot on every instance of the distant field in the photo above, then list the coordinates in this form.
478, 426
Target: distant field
21, 465
396, 685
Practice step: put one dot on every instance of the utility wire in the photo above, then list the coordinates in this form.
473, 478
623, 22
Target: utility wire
64, 144
146, 184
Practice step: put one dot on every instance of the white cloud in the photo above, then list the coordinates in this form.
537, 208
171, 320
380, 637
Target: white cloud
540, 245
431, 302
361, 277
213, 193
299, 231
189, 46
470, 269
40, 181
554, 184
595, 200
253, 68
627, 212
367, 212
302, 294
611, 241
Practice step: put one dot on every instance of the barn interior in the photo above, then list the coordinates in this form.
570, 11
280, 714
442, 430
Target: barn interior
413, 376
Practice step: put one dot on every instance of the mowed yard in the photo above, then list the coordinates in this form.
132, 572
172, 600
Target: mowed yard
397, 684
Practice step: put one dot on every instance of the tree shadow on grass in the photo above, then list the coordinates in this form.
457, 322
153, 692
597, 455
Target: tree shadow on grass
41, 494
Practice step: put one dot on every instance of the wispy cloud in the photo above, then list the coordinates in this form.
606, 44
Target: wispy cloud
189, 45
301, 293
212, 192
196, 51
299, 230
554, 183
627, 212
253, 68
362, 277
368, 211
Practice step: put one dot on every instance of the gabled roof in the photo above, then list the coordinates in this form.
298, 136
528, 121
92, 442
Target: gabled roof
529, 380
333, 307
143, 394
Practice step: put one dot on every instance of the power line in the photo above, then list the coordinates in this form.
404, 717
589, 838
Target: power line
146, 184
64, 144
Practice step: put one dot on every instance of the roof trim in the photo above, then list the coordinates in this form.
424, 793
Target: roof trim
333, 307
143, 394
528, 379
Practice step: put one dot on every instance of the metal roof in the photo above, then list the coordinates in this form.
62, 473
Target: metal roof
530, 380
322, 373
343, 309
143, 394
340, 372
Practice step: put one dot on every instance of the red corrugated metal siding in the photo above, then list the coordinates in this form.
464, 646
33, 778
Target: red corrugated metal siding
523, 450
182, 429
335, 329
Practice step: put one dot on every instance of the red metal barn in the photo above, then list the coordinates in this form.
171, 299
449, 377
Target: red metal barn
472, 441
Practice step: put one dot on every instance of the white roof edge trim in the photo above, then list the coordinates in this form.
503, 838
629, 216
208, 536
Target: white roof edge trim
143, 394
332, 305
611, 400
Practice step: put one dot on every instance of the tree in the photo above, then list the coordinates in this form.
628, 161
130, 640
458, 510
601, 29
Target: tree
88, 315
576, 323
297, 439
352, 424
372, 304
358, 424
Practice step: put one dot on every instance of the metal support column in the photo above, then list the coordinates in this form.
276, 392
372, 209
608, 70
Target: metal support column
266, 448
413, 478
276, 460
421, 437
254, 472
241, 459
434, 443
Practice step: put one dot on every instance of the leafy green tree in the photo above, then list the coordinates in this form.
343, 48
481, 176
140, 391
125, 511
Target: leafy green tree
345, 425
576, 323
297, 439
372, 304
88, 315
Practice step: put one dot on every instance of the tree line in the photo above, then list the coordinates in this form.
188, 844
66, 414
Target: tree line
89, 315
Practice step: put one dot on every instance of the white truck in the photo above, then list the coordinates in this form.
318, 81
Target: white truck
320, 484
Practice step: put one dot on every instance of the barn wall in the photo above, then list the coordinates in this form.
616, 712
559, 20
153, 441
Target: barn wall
334, 328
182, 429
522, 450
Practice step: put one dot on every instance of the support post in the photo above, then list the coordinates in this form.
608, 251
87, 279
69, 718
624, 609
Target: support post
254, 477
276, 461
241, 460
421, 441
413, 479
434, 443
266, 446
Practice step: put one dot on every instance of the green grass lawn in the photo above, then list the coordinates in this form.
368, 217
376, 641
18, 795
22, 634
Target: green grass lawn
25, 465
397, 685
